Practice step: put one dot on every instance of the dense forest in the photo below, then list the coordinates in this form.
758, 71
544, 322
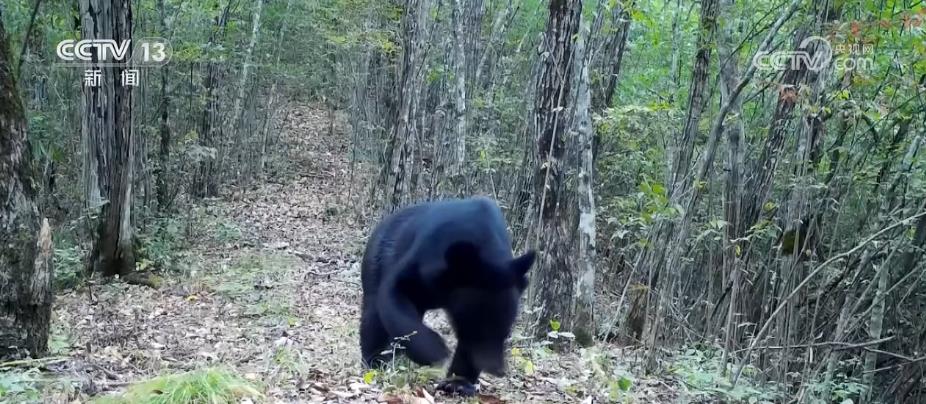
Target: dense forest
727, 198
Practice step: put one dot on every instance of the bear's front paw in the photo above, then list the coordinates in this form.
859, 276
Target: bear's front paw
457, 386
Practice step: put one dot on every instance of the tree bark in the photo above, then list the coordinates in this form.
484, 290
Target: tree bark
455, 180
163, 194
683, 148
207, 183
617, 44
584, 305
25, 240
107, 130
553, 280
403, 149
235, 122
733, 189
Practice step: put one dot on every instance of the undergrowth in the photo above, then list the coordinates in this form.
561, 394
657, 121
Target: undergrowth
707, 377
206, 386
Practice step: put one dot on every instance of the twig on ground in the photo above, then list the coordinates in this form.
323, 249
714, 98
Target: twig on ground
33, 362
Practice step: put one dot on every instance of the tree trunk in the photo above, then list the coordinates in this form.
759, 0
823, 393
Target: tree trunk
25, 240
553, 280
454, 181
239, 154
584, 326
403, 149
875, 328
675, 62
665, 248
107, 130
683, 148
496, 35
799, 212
163, 194
733, 189
207, 183
765, 169
614, 55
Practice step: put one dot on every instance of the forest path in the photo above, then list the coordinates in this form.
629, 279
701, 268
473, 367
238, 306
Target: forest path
269, 287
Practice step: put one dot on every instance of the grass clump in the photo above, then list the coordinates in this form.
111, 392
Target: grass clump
213, 386
17, 386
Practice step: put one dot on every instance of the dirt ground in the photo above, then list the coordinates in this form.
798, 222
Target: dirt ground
269, 287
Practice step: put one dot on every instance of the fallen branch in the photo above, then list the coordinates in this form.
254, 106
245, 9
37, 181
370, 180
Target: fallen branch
839, 346
143, 279
33, 362
920, 359
328, 273
891, 354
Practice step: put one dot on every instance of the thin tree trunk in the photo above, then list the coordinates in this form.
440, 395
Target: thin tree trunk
683, 148
163, 178
455, 174
733, 190
875, 328
680, 155
674, 238
265, 138
584, 305
498, 32
617, 45
235, 122
674, 64
25, 238
403, 150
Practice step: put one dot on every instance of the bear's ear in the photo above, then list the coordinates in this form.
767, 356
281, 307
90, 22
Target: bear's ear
522, 264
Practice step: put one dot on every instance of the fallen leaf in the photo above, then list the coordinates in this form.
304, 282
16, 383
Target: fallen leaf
391, 399
345, 394
489, 399
359, 386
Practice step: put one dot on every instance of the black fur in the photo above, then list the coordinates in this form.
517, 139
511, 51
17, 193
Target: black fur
453, 255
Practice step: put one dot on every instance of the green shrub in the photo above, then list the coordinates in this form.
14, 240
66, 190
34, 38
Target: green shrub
69, 265
212, 386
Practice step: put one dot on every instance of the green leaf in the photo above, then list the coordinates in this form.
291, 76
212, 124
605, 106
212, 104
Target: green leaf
369, 376
624, 384
528, 367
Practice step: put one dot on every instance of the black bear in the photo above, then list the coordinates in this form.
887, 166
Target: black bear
453, 255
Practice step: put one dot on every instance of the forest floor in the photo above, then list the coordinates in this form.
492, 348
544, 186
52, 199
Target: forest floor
269, 289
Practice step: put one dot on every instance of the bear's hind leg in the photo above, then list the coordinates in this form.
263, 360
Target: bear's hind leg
373, 337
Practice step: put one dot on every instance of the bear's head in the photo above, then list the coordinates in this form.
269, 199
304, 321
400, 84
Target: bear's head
483, 306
